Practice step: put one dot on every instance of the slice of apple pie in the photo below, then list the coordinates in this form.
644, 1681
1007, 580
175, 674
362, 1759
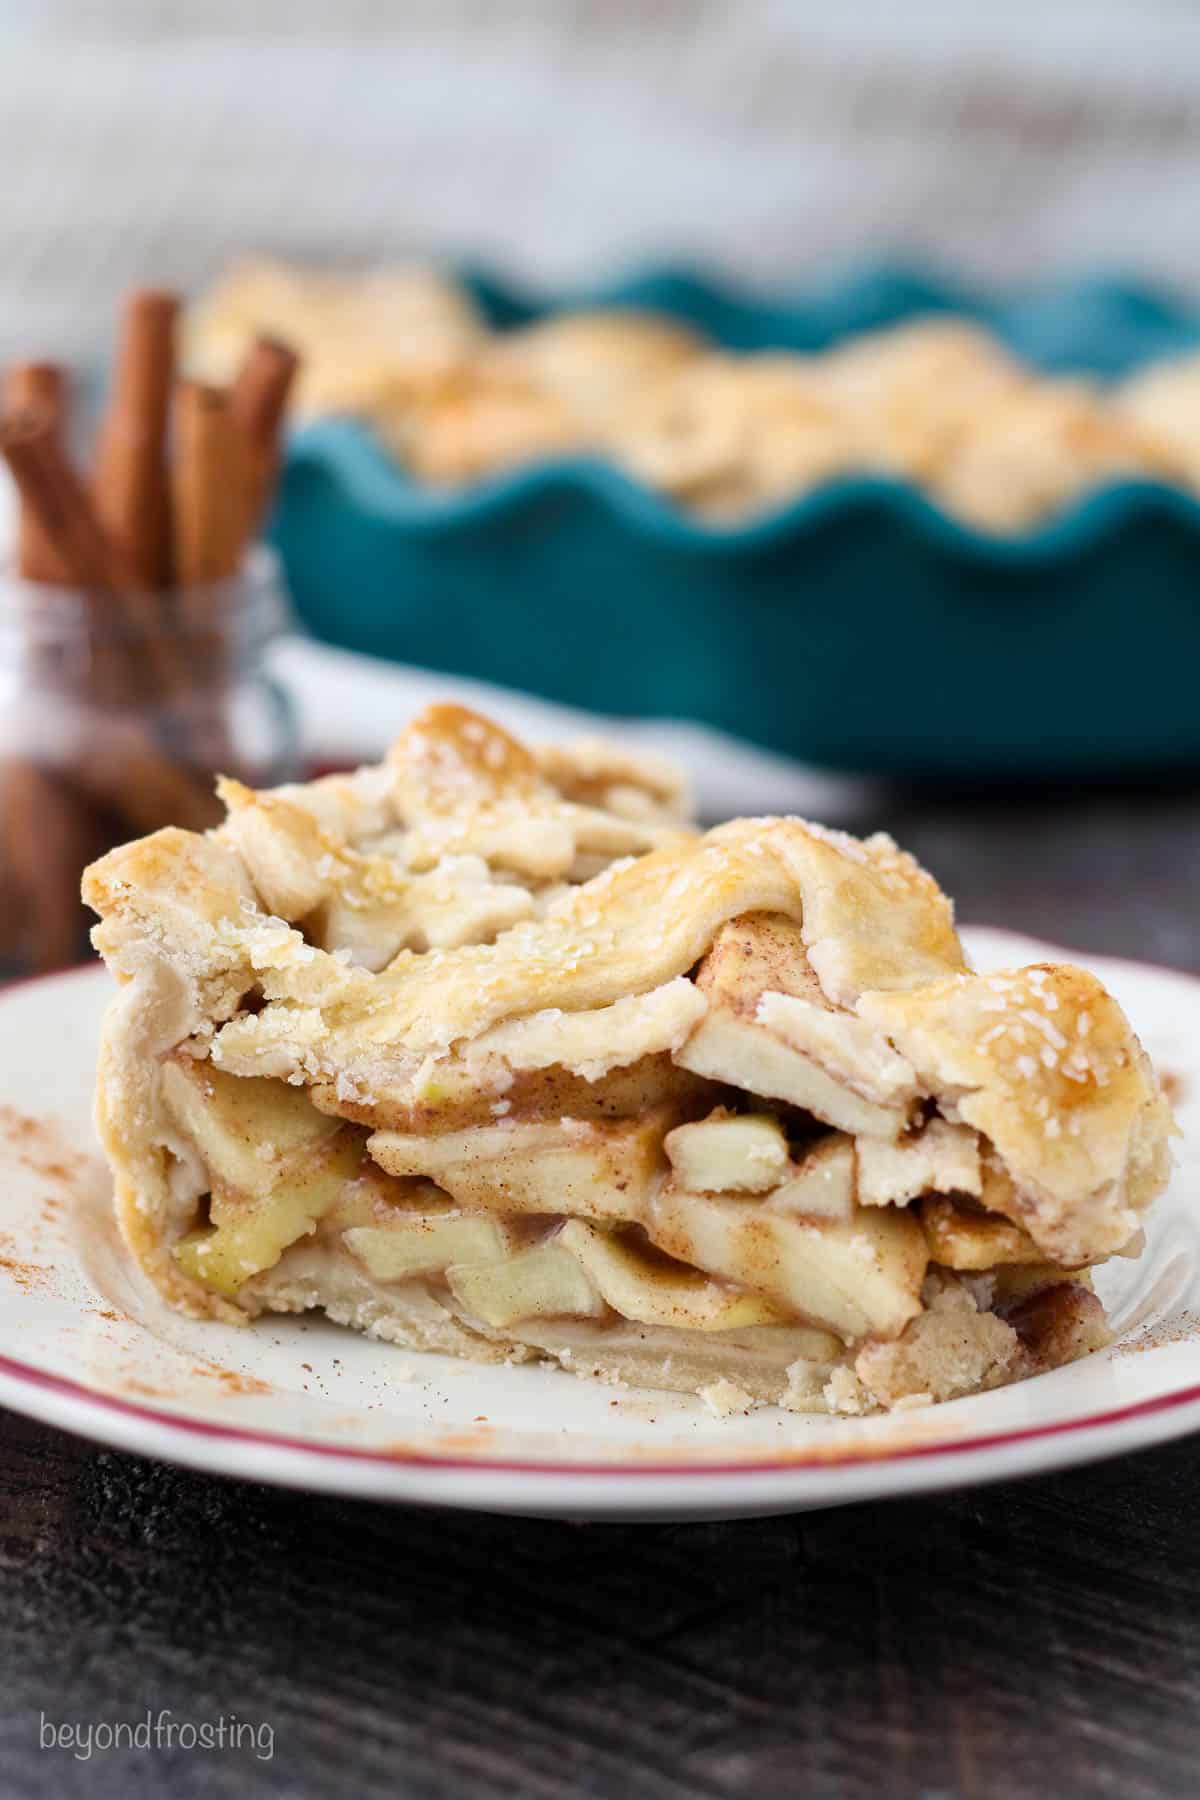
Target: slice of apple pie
486, 1051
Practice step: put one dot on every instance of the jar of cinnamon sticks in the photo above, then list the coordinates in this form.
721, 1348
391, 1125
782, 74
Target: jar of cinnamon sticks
135, 611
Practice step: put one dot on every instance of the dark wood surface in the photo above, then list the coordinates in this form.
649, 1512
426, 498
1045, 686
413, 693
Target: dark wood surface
1040, 1638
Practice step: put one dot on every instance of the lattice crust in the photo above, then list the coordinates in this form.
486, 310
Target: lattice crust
594, 772
366, 340
1042, 1062
486, 1046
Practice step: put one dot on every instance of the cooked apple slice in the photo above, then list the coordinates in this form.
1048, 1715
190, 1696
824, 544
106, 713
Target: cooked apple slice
374, 1198
250, 1130
453, 1095
654, 1290
574, 1166
961, 1238
726, 1152
821, 1184
756, 961
854, 1053
252, 1234
941, 1158
546, 1282
1014, 1283
426, 1243
860, 1277
745, 1055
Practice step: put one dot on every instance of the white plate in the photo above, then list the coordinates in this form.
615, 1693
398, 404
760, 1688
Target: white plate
84, 1344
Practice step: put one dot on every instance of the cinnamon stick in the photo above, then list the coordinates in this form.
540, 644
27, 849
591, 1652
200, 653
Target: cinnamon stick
49, 835
121, 768
55, 495
39, 388
131, 645
50, 487
131, 486
259, 400
207, 485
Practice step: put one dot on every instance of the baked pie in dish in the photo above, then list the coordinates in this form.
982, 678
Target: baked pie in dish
487, 1051
935, 400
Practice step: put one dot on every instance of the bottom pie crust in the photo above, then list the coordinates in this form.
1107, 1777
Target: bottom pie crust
957, 1346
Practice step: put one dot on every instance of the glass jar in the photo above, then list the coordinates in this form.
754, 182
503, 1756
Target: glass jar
116, 714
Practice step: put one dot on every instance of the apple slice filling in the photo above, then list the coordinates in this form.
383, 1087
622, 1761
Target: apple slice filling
721, 1223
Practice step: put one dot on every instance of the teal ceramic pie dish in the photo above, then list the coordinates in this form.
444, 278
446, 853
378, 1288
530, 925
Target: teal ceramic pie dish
858, 626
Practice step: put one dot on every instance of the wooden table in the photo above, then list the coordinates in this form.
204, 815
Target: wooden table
1037, 1639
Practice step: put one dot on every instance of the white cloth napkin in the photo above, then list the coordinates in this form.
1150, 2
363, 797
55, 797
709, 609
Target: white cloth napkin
351, 706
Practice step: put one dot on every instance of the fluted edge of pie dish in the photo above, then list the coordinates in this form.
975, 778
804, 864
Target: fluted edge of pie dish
368, 551
1092, 323
373, 484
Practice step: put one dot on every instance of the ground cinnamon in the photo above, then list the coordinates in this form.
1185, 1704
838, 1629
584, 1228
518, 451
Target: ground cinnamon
130, 484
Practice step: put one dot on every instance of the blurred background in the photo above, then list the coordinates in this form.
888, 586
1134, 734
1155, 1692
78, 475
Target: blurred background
777, 144
772, 137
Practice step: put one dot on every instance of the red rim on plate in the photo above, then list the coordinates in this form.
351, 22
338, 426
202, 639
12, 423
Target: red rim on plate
828, 1458
75, 1390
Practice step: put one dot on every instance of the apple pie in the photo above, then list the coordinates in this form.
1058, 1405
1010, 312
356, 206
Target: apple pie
487, 1051
934, 400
